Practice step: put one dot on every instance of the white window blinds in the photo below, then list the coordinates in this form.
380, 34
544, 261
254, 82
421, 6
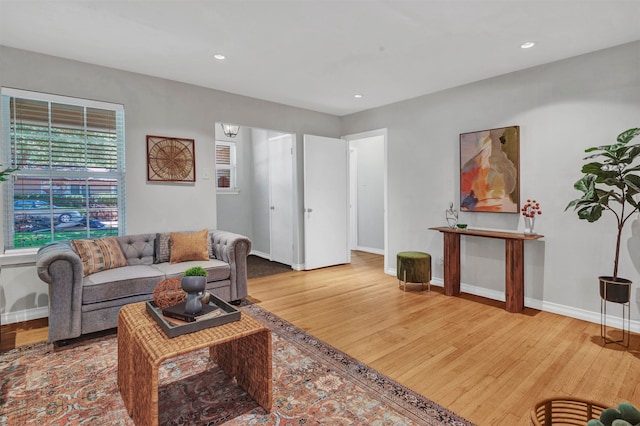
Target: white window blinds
226, 165
70, 158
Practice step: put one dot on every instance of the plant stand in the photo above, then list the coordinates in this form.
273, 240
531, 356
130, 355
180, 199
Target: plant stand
626, 312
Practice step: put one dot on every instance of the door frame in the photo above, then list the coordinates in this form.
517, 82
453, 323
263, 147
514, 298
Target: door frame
384, 134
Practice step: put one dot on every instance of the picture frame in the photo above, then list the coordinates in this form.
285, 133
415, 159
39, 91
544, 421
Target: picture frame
490, 170
170, 159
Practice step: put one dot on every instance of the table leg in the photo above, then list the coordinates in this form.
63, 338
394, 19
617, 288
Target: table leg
249, 360
514, 275
145, 383
451, 264
125, 363
226, 356
254, 373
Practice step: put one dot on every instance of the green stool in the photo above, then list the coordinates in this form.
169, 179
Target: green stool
414, 267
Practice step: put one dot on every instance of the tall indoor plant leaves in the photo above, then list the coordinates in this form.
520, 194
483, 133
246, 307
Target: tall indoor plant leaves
4, 174
610, 183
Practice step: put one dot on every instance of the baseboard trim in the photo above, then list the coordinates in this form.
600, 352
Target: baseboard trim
295, 266
370, 250
589, 316
26, 315
261, 254
554, 308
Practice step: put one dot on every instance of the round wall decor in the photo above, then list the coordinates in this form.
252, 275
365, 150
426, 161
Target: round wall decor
170, 159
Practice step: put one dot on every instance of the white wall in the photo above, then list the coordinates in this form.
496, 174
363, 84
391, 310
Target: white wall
157, 107
561, 108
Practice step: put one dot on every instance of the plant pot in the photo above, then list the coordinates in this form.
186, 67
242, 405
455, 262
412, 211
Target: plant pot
194, 286
616, 290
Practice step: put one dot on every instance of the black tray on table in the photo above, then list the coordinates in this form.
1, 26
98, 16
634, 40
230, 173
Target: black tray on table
173, 327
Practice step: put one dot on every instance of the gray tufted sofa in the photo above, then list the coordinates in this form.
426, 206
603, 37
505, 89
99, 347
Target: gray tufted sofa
80, 305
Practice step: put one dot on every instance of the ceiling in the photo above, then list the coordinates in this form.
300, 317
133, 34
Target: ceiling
317, 54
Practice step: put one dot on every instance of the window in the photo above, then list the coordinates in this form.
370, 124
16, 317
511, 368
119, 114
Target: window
226, 166
70, 159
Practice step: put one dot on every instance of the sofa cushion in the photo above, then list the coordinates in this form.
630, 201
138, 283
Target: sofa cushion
138, 249
217, 270
99, 254
102, 316
163, 246
189, 246
163, 254
120, 283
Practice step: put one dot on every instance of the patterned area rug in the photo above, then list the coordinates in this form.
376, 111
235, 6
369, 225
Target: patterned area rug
313, 384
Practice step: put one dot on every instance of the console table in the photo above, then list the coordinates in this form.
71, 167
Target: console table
514, 259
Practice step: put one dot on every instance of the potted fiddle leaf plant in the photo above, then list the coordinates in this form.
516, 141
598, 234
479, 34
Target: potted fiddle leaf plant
611, 183
4, 174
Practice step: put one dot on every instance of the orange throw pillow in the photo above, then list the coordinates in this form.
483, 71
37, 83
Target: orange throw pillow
189, 246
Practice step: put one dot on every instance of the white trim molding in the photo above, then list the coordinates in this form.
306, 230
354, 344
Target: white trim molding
24, 315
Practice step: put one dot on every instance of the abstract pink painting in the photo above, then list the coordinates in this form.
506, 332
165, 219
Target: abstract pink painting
490, 170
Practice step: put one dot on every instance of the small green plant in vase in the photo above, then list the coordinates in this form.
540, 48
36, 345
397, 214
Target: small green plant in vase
194, 281
195, 271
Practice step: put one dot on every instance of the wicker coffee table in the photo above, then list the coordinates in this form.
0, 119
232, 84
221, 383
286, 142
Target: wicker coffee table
242, 349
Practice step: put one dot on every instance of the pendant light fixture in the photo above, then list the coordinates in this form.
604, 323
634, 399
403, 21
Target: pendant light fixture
230, 130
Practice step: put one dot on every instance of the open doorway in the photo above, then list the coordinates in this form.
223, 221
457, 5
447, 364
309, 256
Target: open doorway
368, 191
259, 202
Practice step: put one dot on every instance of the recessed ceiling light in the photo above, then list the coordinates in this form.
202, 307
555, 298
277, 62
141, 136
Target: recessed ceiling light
358, 95
219, 56
527, 45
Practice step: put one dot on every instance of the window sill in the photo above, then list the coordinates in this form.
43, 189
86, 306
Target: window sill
15, 257
227, 191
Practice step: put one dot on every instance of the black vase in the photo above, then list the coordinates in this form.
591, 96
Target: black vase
616, 290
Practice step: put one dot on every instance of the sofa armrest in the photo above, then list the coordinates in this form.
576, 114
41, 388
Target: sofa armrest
233, 249
60, 267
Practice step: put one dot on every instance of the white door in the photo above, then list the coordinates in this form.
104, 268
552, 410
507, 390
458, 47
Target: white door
353, 198
326, 202
281, 198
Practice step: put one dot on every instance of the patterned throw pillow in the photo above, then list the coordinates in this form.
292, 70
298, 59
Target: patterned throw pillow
163, 252
99, 254
189, 246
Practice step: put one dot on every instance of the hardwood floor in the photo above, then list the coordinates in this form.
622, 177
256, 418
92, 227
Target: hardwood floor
23, 333
465, 353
